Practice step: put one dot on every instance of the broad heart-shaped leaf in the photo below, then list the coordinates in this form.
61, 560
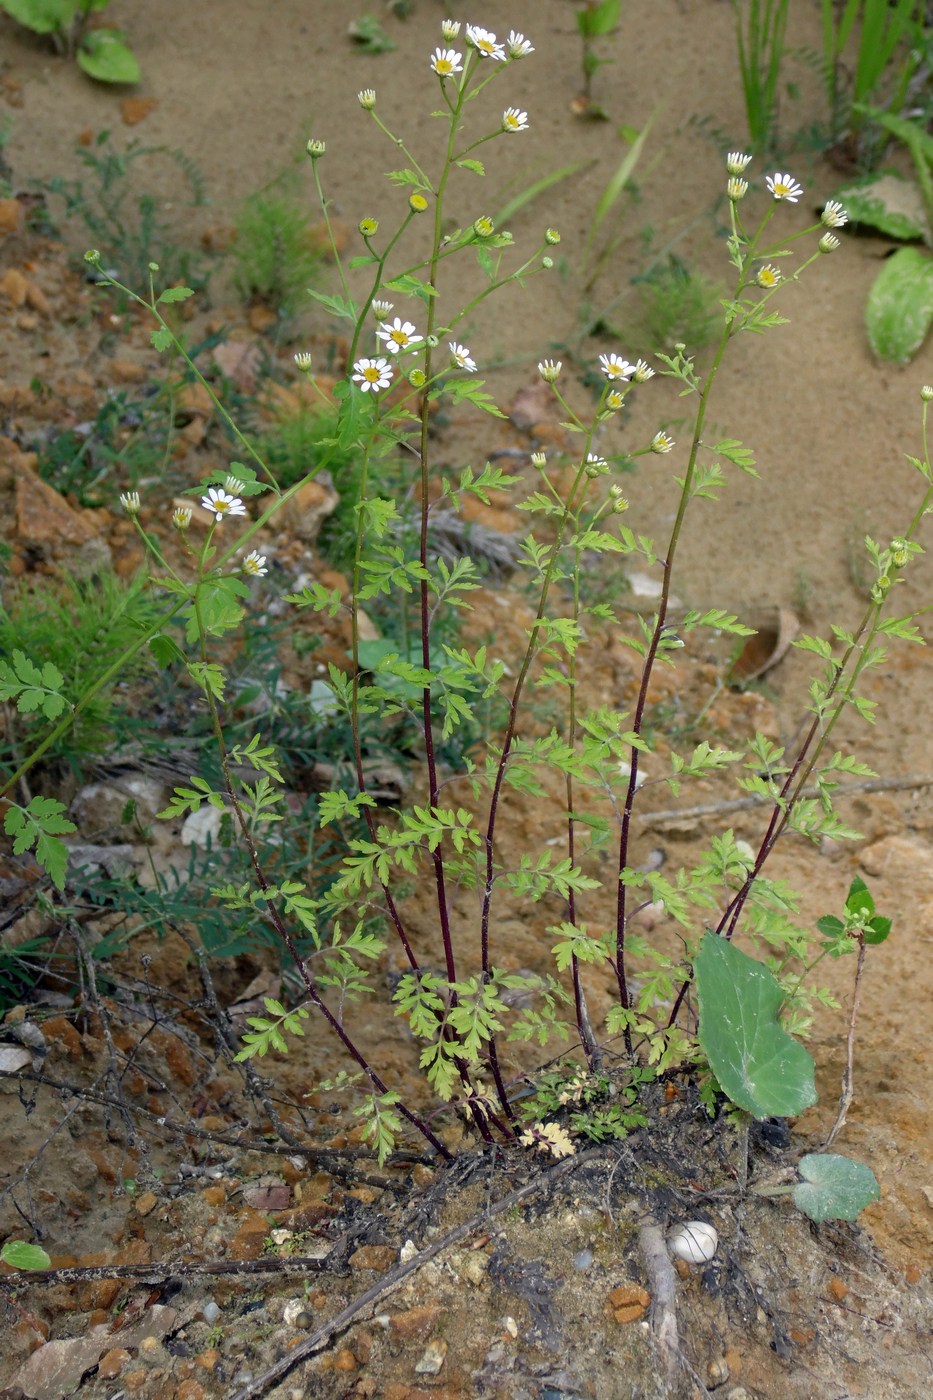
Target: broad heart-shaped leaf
888, 202
900, 305
20, 1255
834, 1187
761, 1068
103, 55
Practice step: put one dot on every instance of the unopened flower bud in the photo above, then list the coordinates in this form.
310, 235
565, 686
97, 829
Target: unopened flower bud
737, 163
450, 28
484, 227
417, 379
368, 227
551, 235
926, 392
547, 263
367, 99
315, 148
620, 505
549, 370
303, 359
539, 461
92, 256
417, 203
829, 243
662, 443
181, 517
130, 502
382, 309
736, 189
596, 465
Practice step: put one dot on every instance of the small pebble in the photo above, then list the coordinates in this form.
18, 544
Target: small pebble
583, 1260
696, 1242
210, 1312
433, 1358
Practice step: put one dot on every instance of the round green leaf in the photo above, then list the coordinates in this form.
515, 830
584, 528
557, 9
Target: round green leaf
103, 55
900, 305
761, 1068
834, 1187
888, 202
20, 1255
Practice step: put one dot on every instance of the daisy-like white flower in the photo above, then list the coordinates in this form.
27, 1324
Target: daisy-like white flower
784, 187
450, 28
381, 309
303, 359
614, 367
130, 502
484, 42
222, 503
181, 517
736, 188
833, 215
596, 465
518, 45
400, 335
829, 243
642, 372
768, 276
461, 356
737, 163
513, 119
446, 62
372, 375
661, 443
367, 99
549, 369
255, 564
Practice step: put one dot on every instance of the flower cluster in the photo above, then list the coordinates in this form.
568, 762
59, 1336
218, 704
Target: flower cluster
548, 1137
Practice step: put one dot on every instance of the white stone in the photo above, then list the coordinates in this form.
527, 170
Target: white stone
696, 1241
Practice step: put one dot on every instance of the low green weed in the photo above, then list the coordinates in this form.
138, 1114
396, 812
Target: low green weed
274, 260
125, 220
127, 442
888, 52
698, 1004
78, 627
596, 19
100, 51
760, 27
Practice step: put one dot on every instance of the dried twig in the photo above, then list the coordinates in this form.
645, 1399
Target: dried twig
747, 804
164, 1269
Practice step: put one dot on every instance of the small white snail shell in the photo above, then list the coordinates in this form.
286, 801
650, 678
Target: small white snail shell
696, 1241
